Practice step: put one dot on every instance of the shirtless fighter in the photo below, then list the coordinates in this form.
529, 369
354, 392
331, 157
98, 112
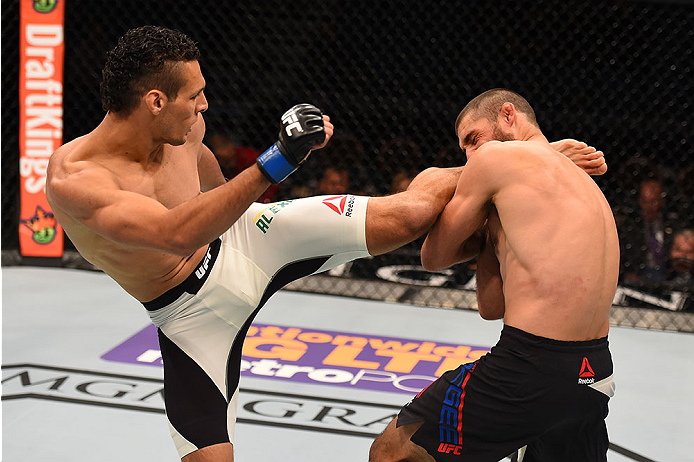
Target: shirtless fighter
128, 194
548, 267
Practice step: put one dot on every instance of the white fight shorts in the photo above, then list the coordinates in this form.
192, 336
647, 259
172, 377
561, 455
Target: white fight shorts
203, 321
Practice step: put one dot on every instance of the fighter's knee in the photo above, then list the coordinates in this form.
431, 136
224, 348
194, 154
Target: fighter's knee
421, 212
374, 450
379, 451
394, 445
382, 447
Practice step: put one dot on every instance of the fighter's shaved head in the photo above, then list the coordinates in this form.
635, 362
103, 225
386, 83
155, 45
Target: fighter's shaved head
488, 105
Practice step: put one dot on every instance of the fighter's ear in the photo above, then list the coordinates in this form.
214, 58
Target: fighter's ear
508, 114
155, 100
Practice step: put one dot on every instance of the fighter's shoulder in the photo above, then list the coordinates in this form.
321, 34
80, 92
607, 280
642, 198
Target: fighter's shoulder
509, 153
500, 163
491, 154
72, 166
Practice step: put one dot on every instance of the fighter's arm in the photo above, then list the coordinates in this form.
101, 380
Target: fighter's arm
209, 172
453, 238
92, 196
490, 288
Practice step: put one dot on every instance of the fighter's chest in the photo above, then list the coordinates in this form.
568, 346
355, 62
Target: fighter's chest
171, 181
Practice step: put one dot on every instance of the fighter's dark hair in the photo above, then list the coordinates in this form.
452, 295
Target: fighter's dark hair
145, 58
488, 105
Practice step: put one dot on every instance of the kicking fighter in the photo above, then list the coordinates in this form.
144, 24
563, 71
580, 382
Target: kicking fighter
548, 266
128, 194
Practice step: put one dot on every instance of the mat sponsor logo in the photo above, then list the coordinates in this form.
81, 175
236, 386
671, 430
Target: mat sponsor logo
308, 412
268, 408
326, 357
84, 387
356, 418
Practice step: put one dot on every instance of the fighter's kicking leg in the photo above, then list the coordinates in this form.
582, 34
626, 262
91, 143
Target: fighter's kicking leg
202, 333
393, 221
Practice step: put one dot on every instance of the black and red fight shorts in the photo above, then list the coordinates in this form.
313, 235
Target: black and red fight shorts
548, 395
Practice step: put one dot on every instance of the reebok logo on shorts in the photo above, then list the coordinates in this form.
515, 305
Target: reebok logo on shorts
586, 375
342, 205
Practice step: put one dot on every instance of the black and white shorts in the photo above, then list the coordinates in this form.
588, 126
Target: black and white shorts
544, 397
202, 322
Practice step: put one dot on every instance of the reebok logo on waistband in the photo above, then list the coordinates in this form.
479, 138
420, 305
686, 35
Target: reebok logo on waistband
586, 375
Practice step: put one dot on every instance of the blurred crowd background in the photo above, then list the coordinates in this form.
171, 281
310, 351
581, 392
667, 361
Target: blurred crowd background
393, 76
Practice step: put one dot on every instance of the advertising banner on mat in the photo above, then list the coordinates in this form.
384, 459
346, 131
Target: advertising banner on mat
41, 121
322, 357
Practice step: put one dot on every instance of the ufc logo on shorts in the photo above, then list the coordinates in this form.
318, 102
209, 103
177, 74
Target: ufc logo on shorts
450, 448
292, 122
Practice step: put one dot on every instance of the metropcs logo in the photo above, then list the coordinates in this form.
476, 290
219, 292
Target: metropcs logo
342, 205
320, 357
586, 375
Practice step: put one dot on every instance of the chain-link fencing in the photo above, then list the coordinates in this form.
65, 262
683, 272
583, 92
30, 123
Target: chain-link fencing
393, 77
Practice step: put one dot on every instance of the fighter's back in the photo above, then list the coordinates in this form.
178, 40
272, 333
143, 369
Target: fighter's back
556, 241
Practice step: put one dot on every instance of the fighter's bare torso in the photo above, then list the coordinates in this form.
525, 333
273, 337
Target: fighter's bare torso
559, 280
166, 177
553, 235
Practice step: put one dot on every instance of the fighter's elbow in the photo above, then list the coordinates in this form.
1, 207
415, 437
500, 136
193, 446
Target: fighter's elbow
180, 243
179, 248
430, 262
490, 315
490, 311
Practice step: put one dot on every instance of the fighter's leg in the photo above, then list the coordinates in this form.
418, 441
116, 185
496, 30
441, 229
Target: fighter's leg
394, 445
341, 228
393, 221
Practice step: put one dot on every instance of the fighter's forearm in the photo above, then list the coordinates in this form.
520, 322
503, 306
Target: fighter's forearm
204, 218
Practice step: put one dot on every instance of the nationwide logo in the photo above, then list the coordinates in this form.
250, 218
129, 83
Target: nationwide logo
336, 359
342, 205
586, 375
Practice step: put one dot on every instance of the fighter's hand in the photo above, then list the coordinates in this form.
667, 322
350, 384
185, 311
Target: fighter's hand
586, 157
301, 129
329, 130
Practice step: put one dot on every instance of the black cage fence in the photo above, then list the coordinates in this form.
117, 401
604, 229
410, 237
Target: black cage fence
393, 77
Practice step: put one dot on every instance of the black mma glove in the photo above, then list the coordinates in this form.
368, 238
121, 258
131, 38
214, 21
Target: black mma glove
301, 128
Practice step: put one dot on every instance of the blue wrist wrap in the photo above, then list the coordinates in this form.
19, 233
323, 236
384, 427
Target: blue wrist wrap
275, 164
